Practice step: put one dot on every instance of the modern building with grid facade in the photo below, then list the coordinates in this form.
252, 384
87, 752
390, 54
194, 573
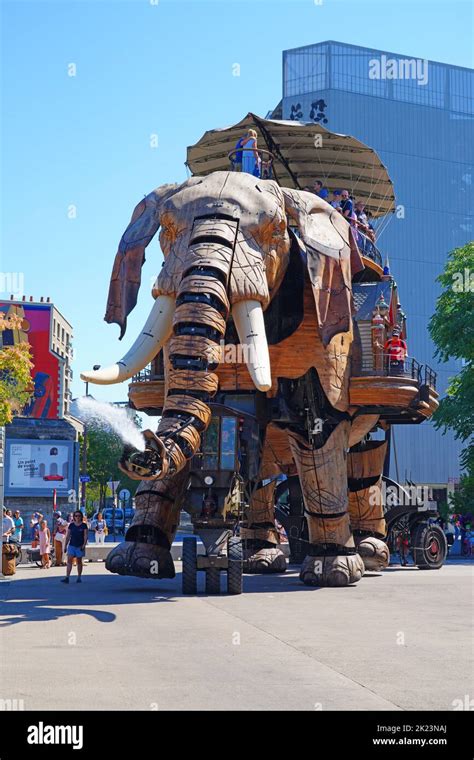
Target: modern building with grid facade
418, 116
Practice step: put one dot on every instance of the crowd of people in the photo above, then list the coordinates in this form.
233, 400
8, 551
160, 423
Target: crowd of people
459, 528
66, 542
246, 157
12, 526
356, 213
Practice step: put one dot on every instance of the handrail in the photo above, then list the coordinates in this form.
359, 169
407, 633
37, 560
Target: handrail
430, 376
409, 367
381, 365
265, 164
368, 248
250, 150
146, 375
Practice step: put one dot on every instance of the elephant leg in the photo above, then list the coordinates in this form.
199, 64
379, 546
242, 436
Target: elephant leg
332, 559
146, 549
364, 468
262, 553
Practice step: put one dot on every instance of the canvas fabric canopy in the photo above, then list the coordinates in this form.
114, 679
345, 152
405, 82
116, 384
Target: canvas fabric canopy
302, 152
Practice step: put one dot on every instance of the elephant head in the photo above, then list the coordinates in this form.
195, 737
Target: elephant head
226, 241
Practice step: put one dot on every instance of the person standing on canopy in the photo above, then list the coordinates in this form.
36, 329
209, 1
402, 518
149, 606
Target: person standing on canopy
250, 158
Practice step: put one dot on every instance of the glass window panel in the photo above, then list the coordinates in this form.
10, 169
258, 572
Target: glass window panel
346, 68
228, 441
210, 446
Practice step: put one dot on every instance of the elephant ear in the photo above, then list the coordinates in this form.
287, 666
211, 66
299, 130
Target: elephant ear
332, 258
126, 272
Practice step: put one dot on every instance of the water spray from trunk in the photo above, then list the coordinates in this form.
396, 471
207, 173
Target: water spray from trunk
104, 415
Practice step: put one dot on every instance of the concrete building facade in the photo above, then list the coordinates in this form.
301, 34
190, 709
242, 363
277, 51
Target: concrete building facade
419, 117
40, 455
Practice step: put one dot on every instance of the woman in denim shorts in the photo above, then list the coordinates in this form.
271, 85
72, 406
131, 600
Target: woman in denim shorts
76, 540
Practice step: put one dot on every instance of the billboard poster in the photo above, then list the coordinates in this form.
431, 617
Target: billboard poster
37, 467
46, 372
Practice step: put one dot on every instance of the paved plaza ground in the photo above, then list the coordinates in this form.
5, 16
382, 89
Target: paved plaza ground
399, 640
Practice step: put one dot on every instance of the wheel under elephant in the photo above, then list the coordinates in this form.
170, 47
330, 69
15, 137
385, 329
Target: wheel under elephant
232, 254
341, 490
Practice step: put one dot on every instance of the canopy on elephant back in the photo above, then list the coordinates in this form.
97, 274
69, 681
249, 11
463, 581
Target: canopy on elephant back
302, 153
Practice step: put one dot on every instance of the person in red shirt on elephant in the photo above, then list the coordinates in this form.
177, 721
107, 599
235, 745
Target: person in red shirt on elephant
396, 350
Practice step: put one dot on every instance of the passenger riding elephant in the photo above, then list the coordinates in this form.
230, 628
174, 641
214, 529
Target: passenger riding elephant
272, 261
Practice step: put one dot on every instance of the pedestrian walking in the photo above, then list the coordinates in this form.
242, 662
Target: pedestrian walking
76, 540
99, 526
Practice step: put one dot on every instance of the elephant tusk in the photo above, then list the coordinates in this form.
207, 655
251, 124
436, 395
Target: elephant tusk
155, 333
248, 320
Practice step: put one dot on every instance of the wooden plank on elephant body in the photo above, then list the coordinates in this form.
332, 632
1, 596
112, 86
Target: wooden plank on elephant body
277, 447
215, 228
382, 391
196, 345
294, 356
323, 471
189, 405
361, 425
366, 510
201, 314
147, 395
187, 379
368, 462
205, 285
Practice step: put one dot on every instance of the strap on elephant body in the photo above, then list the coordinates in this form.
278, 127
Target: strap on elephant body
147, 534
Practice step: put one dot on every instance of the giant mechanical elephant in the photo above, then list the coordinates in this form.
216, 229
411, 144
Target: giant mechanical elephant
235, 247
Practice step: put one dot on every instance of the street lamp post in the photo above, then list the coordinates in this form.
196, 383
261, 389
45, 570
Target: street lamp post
84, 459
84, 451
114, 506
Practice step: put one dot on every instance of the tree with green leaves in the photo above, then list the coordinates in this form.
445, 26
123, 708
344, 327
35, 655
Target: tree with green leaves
16, 386
104, 449
452, 330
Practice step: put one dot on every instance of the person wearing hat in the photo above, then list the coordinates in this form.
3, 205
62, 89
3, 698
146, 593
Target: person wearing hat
336, 199
35, 528
59, 538
8, 526
396, 350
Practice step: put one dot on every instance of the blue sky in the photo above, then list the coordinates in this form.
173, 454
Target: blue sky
145, 68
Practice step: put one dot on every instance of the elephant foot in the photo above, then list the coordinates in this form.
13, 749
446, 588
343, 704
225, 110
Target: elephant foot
374, 552
140, 559
266, 559
339, 570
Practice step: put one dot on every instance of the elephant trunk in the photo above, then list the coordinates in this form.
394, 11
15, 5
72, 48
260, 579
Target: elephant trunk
195, 325
194, 352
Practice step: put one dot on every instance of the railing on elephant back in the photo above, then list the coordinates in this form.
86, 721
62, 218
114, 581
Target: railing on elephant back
405, 387
265, 167
381, 365
367, 248
146, 392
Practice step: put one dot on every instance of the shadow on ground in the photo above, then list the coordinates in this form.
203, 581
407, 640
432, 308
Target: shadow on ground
44, 597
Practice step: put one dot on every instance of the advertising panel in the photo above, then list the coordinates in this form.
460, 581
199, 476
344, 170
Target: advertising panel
35, 330
35, 468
